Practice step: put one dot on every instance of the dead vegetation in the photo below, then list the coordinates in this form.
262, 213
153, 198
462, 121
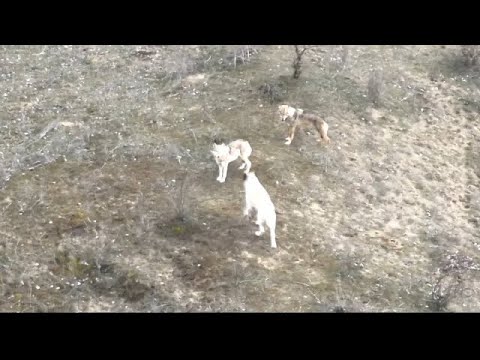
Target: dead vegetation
109, 200
471, 54
452, 281
273, 92
242, 53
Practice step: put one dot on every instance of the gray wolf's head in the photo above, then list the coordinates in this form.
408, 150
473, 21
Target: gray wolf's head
283, 112
219, 151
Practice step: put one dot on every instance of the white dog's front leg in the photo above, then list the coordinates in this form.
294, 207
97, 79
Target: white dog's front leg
224, 172
247, 208
219, 177
273, 242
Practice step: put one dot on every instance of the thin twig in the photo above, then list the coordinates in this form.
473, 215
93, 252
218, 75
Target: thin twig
193, 132
310, 290
209, 116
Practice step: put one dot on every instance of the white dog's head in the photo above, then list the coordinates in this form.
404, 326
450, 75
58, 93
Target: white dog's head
219, 151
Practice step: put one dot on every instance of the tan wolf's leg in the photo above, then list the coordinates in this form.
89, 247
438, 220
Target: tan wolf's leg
322, 129
291, 134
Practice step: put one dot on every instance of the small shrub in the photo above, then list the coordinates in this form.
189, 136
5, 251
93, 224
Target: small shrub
273, 92
241, 53
375, 86
338, 58
450, 280
471, 54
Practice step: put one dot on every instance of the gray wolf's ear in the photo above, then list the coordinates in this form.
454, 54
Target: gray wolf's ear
217, 141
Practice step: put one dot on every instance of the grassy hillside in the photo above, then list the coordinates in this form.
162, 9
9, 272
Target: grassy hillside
109, 200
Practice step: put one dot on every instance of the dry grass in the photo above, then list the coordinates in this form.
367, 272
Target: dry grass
109, 200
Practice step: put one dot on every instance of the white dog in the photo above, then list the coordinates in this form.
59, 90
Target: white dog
225, 154
256, 197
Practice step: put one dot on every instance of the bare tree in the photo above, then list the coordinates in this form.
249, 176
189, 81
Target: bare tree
297, 62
